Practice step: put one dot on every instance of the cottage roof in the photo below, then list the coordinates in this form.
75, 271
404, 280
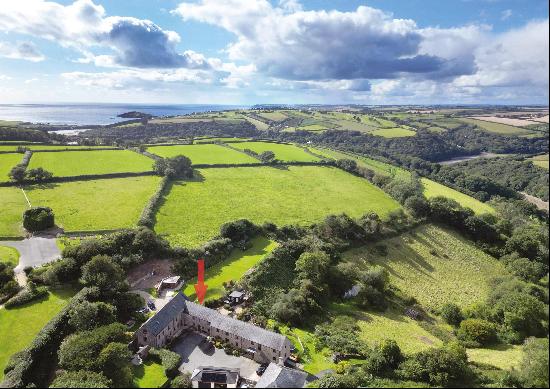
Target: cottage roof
236, 294
166, 314
276, 376
218, 375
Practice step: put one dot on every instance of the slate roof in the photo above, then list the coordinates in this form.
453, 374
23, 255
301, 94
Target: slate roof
237, 327
236, 294
276, 376
218, 375
164, 316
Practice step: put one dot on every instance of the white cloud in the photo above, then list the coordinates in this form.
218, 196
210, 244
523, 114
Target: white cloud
506, 14
21, 50
3, 77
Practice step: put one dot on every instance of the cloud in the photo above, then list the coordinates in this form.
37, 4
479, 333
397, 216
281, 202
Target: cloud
22, 50
287, 42
83, 25
506, 14
3, 77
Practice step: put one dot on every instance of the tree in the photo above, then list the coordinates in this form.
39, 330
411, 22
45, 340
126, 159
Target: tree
86, 315
176, 167
81, 379
267, 156
477, 332
115, 364
451, 313
418, 206
533, 370
17, 173
39, 175
347, 164
102, 272
372, 289
313, 266
182, 381
38, 219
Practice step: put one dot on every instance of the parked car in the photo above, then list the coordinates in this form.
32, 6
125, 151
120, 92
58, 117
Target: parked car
151, 306
260, 370
143, 310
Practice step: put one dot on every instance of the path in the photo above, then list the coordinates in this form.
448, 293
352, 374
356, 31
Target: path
34, 251
540, 203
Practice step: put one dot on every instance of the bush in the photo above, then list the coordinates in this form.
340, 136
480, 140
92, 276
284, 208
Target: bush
30, 293
533, 370
176, 167
86, 315
170, 360
38, 175
182, 381
451, 314
81, 379
38, 219
477, 332
104, 274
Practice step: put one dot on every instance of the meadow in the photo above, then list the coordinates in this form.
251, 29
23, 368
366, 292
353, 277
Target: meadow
283, 152
7, 162
193, 211
276, 116
78, 163
435, 265
397, 132
541, 160
497, 128
203, 154
12, 206
9, 255
503, 356
116, 203
20, 325
257, 123
434, 189
232, 269
47, 147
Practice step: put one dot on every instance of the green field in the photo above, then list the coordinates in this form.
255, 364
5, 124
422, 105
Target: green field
7, 162
12, 206
283, 152
434, 189
434, 265
497, 128
208, 140
19, 326
203, 153
116, 203
276, 116
194, 211
397, 132
78, 163
37, 147
541, 160
9, 255
233, 268
503, 356
257, 123
149, 375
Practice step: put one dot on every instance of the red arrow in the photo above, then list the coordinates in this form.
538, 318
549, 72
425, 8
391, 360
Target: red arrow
200, 286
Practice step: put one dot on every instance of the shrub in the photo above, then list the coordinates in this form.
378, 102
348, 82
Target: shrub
38, 175
182, 381
170, 360
533, 370
81, 379
38, 219
28, 294
478, 332
179, 166
103, 273
86, 315
451, 313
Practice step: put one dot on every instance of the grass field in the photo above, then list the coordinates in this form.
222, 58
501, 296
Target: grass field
283, 152
203, 154
36, 147
276, 116
541, 160
257, 123
194, 211
116, 203
12, 206
149, 375
396, 132
207, 140
434, 265
9, 255
238, 263
20, 325
7, 162
502, 356
434, 189
73, 163
498, 128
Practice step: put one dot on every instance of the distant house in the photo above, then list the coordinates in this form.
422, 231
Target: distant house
215, 377
236, 297
168, 283
180, 314
276, 376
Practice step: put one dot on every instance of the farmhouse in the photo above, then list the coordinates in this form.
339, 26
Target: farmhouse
180, 314
276, 376
215, 377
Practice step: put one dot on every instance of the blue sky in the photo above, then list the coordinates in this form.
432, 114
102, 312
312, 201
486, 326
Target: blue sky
288, 51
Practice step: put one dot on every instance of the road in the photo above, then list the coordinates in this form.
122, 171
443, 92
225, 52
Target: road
34, 251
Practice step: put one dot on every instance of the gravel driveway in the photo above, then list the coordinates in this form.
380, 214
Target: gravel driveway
34, 251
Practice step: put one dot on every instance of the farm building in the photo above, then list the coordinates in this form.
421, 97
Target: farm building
215, 377
276, 376
180, 314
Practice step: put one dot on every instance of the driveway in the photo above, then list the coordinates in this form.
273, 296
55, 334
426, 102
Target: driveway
192, 357
34, 251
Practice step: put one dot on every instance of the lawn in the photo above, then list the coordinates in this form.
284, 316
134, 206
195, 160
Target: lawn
9, 255
233, 268
498, 128
503, 356
77, 163
20, 325
396, 132
37, 147
435, 266
7, 162
434, 189
12, 206
203, 153
283, 152
116, 203
193, 211
149, 375
541, 160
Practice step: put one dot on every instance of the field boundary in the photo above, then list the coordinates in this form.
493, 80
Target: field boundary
275, 164
89, 177
63, 150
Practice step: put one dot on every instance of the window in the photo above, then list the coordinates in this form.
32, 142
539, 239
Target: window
260, 347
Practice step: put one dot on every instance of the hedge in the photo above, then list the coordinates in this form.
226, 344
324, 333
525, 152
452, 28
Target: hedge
26, 296
147, 217
170, 360
88, 177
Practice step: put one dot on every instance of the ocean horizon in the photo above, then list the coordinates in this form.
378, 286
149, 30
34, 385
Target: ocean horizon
96, 113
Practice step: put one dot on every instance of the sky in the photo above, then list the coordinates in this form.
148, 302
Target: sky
274, 52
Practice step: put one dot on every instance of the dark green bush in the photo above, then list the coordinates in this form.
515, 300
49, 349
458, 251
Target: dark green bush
38, 219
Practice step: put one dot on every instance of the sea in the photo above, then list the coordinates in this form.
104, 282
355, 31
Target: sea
97, 114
